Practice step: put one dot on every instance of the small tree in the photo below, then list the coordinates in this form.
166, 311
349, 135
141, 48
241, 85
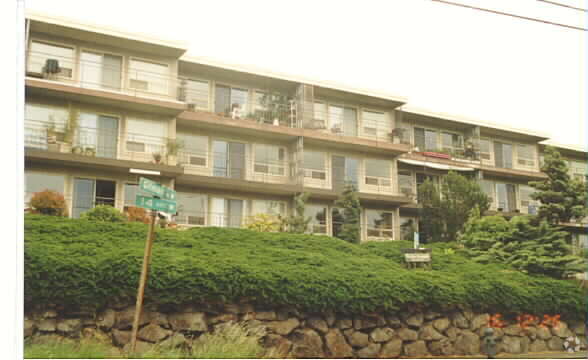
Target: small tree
297, 222
350, 226
104, 213
534, 247
562, 198
48, 202
445, 211
263, 223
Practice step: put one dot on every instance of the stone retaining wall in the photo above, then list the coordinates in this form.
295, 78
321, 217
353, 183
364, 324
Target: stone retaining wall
293, 333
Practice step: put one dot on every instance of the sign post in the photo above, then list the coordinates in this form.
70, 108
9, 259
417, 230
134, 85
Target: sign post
164, 200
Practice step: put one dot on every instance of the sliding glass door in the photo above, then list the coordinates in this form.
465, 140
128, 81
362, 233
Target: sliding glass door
89, 193
226, 212
101, 70
99, 132
345, 171
228, 159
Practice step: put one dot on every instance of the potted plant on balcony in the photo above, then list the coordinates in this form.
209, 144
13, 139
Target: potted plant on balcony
397, 135
469, 151
90, 151
173, 146
157, 158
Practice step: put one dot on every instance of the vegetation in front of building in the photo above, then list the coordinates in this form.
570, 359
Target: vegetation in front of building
48, 202
562, 198
104, 213
297, 223
231, 341
526, 243
446, 208
349, 220
90, 263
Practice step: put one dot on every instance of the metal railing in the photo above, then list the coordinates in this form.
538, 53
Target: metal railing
98, 75
104, 143
236, 166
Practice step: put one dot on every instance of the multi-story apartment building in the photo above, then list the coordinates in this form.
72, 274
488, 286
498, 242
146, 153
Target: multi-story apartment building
104, 107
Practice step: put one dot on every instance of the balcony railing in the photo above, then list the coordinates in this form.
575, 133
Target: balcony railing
103, 143
236, 166
103, 76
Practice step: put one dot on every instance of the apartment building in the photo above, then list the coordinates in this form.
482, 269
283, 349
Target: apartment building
104, 108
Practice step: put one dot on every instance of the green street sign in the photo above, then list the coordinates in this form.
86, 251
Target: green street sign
162, 205
157, 189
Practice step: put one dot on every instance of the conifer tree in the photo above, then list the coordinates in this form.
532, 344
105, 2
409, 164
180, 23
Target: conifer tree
350, 227
562, 198
297, 222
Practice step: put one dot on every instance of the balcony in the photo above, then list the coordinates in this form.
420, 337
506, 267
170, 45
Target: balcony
98, 146
107, 79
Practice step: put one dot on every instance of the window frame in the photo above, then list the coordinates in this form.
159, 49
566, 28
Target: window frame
153, 62
123, 59
313, 171
387, 130
382, 230
283, 166
380, 181
74, 60
208, 98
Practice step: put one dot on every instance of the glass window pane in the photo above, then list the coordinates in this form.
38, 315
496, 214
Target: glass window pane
197, 92
375, 124
35, 182
149, 77
191, 208
152, 134
40, 52
318, 218
239, 100
314, 160
83, 196
377, 168
430, 140
379, 224
268, 207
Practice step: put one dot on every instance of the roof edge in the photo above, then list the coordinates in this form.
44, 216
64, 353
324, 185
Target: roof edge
565, 146
472, 121
289, 77
106, 30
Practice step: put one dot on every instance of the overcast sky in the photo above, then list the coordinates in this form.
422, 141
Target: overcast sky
444, 58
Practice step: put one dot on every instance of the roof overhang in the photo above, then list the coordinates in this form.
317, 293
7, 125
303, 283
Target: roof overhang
67, 28
567, 150
370, 96
487, 128
435, 165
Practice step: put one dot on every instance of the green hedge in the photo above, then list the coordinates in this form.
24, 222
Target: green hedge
80, 262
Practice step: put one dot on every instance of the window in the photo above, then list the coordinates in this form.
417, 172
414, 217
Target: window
485, 153
268, 207
194, 150
270, 108
228, 159
226, 212
38, 118
149, 77
314, 165
526, 155
269, 159
191, 208
503, 155
405, 183
377, 172
375, 124
379, 224
146, 135
231, 101
578, 170
100, 70
41, 54
342, 120
425, 140
345, 170
320, 116
488, 189
35, 182
195, 92
408, 226
506, 196
452, 143
528, 205
99, 132
89, 193
318, 218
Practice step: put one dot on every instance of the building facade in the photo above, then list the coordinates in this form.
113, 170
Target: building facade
104, 108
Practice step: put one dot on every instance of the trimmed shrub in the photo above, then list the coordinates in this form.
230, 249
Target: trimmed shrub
104, 213
137, 214
263, 223
48, 202
75, 263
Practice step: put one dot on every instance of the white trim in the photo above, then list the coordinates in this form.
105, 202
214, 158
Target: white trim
435, 165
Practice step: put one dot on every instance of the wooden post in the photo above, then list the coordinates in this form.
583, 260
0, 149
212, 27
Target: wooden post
143, 281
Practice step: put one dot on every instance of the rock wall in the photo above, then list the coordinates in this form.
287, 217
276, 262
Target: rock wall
293, 333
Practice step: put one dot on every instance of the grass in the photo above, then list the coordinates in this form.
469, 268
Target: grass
232, 341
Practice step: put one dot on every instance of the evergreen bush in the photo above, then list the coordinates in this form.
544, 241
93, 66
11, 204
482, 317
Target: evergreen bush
104, 213
83, 263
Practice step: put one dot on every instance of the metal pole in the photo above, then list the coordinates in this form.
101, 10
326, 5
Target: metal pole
143, 280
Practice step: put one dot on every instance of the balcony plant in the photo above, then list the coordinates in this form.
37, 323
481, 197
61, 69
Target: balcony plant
172, 148
156, 158
275, 108
89, 151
